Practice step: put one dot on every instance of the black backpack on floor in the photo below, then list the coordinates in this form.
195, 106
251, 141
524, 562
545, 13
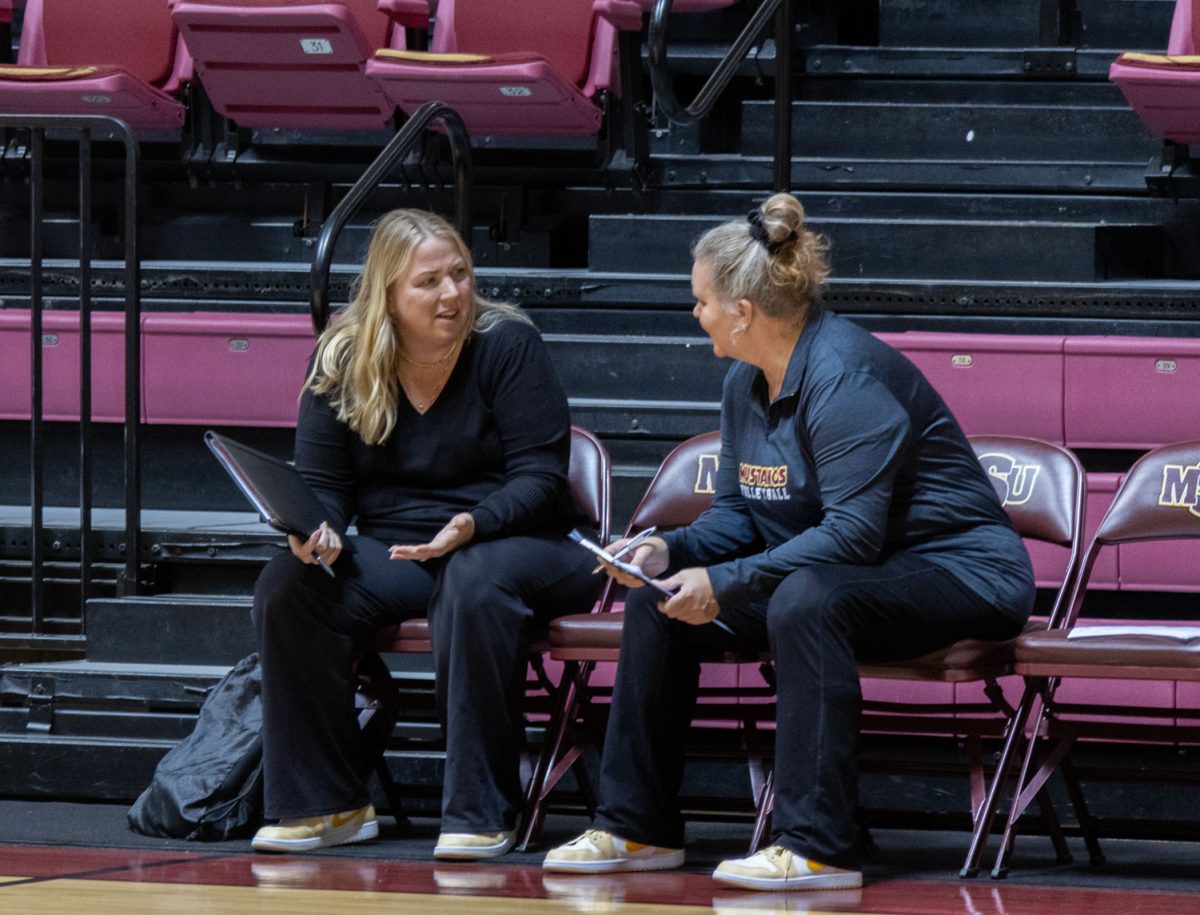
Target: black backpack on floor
209, 786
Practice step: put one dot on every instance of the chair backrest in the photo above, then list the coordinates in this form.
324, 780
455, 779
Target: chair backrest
562, 31
1159, 499
1043, 488
1040, 485
591, 479
683, 487
136, 35
1185, 28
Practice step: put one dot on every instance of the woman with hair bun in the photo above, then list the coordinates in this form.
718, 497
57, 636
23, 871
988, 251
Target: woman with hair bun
434, 420
851, 522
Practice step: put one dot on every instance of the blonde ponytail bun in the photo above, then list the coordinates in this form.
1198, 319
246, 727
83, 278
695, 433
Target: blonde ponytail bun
769, 258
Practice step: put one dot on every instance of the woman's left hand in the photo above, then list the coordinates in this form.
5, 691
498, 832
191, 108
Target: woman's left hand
694, 601
458, 531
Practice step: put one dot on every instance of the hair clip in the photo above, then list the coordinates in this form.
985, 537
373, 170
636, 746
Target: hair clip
757, 230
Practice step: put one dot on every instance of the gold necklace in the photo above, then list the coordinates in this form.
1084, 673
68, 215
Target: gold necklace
422, 403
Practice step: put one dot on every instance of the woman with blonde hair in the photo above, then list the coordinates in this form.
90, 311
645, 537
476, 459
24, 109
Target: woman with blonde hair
851, 522
433, 420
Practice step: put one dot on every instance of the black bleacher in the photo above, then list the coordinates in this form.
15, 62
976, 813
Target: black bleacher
971, 163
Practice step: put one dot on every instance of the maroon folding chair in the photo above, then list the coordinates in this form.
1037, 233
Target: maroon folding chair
1042, 487
1159, 500
679, 492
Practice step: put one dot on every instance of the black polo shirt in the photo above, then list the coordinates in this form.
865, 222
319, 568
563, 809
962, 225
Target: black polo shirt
857, 458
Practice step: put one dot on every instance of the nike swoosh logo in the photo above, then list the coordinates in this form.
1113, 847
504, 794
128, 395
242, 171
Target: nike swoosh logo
338, 820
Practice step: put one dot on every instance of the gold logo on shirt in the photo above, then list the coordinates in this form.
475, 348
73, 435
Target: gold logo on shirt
768, 477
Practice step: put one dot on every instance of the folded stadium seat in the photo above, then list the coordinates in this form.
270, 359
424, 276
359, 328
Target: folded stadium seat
516, 67
1159, 500
120, 58
509, 67
590, 477
289, 63
1164, 89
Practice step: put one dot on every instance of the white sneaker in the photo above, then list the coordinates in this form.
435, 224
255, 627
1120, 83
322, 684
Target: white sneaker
600, 852
778, 868
308, 833
469, 846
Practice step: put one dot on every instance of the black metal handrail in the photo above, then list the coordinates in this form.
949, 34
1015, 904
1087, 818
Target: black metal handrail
86, 126
666, 101
397, 149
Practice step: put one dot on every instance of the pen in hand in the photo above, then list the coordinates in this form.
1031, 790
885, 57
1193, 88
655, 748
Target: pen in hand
324, 565
632, 544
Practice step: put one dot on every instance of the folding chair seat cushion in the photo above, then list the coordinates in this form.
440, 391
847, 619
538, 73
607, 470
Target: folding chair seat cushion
597, 637
412, 636
962, 662
1132, 655
409, 636
287, 63
118, 58
509, 67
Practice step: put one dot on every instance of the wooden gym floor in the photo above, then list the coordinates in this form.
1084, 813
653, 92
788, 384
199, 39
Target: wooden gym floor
78, 858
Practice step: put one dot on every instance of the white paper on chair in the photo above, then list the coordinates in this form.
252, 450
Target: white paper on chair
1178, 633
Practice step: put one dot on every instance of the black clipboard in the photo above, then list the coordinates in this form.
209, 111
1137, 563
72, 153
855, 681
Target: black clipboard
274, 487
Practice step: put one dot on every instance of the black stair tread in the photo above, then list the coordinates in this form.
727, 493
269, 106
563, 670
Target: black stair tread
124, 669
152, 520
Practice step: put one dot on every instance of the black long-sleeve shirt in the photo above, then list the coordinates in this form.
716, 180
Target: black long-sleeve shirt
495, 443
858, 457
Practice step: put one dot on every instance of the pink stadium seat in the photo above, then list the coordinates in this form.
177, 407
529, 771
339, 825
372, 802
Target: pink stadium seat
995, 384
121, 58
289, 63
509, 67
1130, 392
1164, 89
224, 369
6, 10
60, 366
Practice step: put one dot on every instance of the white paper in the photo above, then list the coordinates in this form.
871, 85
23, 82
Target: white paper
1178, 633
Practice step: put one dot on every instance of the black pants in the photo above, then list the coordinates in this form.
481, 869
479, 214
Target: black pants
483, 601
819, 622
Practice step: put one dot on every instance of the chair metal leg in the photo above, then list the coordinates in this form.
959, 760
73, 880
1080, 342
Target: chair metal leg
392, 792
1086, 825
986, 815
1062, 852
546, 774
1025, 791
762, 815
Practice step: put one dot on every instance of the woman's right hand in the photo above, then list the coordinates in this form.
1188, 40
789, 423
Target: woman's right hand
651, 556
324, 542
